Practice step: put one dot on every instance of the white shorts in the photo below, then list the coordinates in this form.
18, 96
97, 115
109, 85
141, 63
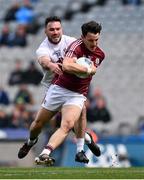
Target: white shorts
56, 97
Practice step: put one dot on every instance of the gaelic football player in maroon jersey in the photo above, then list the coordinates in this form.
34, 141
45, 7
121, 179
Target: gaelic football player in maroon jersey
68, 92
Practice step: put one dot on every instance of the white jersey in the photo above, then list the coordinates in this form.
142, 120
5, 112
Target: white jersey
55, 52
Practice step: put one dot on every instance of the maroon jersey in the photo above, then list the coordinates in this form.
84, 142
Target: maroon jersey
72, 82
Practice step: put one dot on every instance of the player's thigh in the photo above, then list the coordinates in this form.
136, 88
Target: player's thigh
44, 115
70, 114
80, 124
83, 113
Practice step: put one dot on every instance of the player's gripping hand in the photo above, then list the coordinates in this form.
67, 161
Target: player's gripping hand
92, 69
55, 68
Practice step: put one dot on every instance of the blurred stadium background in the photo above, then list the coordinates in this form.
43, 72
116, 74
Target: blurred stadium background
121, 79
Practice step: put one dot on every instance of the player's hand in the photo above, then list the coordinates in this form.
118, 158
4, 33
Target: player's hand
92, 70
55, 68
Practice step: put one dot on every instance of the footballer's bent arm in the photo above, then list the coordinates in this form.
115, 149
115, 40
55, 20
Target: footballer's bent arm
70, 66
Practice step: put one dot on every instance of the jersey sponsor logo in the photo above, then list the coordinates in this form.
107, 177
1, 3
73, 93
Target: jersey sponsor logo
58, 55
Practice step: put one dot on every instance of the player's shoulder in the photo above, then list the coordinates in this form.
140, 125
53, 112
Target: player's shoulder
76, 44
43, 48
68, 39
75, 48
100, 52
44, 43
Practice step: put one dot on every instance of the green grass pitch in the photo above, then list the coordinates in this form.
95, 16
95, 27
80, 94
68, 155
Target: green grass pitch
71, 173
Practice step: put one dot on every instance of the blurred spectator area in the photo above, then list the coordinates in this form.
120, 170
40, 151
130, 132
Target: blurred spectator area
121, 75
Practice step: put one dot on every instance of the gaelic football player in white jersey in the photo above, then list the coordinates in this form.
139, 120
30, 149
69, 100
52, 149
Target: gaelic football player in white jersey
50, 56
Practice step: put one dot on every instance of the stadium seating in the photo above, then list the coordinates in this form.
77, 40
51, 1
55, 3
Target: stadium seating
120, 76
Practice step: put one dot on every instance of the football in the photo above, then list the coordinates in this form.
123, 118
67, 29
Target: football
86, 62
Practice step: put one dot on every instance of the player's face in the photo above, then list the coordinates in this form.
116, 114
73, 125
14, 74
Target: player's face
53, 31
91, 41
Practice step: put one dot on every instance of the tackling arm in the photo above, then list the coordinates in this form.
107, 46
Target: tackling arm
46, 63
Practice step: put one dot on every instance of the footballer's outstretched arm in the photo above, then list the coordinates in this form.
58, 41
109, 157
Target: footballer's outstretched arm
47, 64
44, 61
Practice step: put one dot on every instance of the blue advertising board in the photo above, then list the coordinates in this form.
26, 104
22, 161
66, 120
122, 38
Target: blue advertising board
116, 152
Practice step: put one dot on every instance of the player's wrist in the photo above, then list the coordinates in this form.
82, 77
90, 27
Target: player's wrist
50, 64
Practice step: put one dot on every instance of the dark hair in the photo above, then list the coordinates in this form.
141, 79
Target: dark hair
92, 27
51, 19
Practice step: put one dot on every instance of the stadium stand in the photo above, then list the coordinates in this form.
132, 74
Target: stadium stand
120, 76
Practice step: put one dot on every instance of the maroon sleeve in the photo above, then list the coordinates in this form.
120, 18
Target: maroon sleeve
73, 49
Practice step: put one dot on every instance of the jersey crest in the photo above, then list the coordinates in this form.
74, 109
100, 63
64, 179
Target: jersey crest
97, 61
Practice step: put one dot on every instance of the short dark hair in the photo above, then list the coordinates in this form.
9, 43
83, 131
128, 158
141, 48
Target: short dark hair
51, 19
92, 27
